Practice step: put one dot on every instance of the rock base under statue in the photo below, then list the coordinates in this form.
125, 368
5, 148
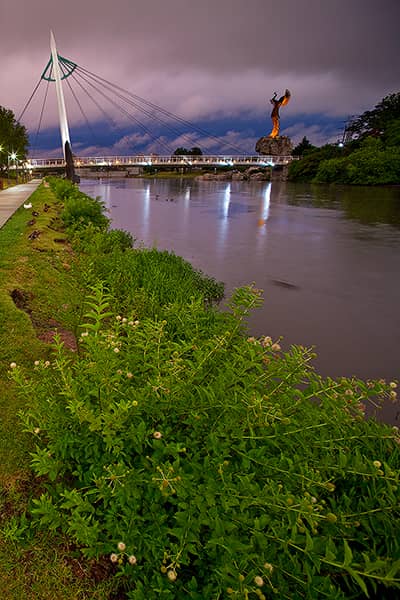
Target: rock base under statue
281, 145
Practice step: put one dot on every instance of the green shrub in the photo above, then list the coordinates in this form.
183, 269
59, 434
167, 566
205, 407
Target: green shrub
332, 171
306, 168
372, 164
79, 209
208, 465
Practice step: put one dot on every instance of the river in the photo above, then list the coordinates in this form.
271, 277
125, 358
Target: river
327, 258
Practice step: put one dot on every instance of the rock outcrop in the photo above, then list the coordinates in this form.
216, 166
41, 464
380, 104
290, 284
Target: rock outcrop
281, 145
251, 174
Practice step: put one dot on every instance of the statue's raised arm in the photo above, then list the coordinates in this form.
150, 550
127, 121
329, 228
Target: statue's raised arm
282, 101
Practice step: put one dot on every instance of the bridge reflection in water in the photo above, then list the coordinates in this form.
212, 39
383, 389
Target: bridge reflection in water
141, 160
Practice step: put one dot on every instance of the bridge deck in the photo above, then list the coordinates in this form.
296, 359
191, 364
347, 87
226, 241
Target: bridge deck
141, 160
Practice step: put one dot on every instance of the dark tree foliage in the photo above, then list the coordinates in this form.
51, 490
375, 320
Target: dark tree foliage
371, 158
307, 168
13, 137
195, 151
391, 136
303, 147
376, 122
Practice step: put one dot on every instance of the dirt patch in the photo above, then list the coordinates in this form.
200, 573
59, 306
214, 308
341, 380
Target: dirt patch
95, 569
66, 336
45, 331
22, 299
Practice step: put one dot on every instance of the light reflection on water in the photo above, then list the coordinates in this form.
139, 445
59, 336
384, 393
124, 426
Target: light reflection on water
327, 258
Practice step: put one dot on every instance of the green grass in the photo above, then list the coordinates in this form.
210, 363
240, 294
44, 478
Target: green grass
40, 568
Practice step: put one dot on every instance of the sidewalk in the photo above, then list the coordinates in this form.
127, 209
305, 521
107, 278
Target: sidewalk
13, 197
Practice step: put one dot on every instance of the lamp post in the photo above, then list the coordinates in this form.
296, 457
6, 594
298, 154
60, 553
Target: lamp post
13, 157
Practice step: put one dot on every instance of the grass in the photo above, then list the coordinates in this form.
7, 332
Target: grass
41, 271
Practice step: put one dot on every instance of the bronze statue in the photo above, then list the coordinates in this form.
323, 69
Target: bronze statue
283, 100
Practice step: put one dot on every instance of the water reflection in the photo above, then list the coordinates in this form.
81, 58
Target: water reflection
266, 201
367, 205
223, 220
146, 209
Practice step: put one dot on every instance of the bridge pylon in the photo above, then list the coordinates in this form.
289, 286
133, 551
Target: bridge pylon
62, 113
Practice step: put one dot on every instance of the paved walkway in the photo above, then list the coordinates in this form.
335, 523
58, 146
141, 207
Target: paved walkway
13, 197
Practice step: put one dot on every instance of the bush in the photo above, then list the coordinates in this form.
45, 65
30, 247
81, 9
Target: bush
332, 171
79, 209
372, 164
306, 168
204, 463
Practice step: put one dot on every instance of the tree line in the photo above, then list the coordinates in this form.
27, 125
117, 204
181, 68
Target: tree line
371, 157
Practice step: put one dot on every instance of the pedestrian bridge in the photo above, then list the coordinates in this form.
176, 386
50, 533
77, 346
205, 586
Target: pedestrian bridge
154, 160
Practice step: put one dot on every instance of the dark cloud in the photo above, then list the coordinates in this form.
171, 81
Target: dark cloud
213, 58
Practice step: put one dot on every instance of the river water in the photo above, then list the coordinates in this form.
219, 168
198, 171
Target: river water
327, 258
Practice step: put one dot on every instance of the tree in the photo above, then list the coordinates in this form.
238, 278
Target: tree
376, 122
303, 147
195, 151
180, 151
13, 137
391, 136
307, 167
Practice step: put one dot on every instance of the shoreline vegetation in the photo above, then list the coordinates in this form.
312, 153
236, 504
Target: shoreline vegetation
369, 153
150, 448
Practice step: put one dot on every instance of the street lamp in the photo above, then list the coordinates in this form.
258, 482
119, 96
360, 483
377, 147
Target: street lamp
13, 157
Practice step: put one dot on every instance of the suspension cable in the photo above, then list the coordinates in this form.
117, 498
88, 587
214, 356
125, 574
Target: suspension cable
95, 139
29, 101
101, 109
129, 115
41, 117
141, 109
163, 111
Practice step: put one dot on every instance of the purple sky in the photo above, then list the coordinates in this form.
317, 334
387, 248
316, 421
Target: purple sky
214, 62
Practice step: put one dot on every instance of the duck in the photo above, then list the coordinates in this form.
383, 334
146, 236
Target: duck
28, 205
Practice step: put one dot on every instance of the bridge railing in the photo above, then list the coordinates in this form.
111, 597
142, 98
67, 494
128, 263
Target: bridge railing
155, 160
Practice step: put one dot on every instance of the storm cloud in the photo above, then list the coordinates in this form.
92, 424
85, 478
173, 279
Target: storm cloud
213, 61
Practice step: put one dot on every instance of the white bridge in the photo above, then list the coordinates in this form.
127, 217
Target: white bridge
154, 160
69, 162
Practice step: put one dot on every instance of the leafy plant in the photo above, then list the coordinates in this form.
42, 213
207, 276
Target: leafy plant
206, 463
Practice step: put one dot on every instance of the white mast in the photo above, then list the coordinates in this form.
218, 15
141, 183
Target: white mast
62, 113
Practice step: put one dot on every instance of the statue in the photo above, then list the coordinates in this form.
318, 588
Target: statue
283, 100
275, 144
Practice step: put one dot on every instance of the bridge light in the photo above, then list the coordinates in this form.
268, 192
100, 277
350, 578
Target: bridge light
13, 155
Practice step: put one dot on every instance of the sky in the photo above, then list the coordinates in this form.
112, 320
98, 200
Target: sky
215, 63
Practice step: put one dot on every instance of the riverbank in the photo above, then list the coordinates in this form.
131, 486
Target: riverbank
163, 412
216, 174
35, 287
